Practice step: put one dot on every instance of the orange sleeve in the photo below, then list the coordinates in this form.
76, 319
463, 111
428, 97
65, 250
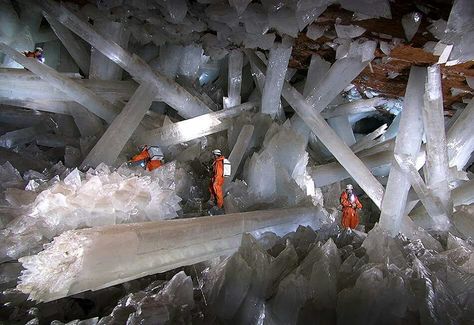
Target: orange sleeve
219, 169
344, 200
142, 155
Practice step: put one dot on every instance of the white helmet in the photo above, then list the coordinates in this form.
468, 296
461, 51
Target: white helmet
155, 153
216, 152
349, 187
39, 49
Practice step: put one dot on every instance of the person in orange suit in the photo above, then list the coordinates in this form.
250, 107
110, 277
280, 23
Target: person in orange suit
149, 158
36, 54
217, 179
350, 203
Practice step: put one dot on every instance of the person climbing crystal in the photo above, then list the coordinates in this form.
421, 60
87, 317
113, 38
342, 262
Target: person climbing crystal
150, 158
350, 203
220, 169
36, 54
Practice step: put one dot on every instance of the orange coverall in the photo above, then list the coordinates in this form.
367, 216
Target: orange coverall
150, 164
350, 219
217, 181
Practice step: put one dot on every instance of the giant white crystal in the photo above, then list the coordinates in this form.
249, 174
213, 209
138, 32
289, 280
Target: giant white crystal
176, 96
436, 170
235, 79
193, 128
82, 95
407, 142
75, 48
459, 138
102, 67
84, 261
274, 78
343, 154
120, 130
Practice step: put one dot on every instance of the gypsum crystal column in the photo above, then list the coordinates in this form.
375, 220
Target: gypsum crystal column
13, 33
275, 77
460, 139
359, 172
355, 107
173, 94
102, 67
119, 132
343, 129
99, 257
16, 84
379, 164
408, 142
236, 60
369, 140
432, 203
436, 168
238, 151
75, 48
341, 73
193, 128
78, 93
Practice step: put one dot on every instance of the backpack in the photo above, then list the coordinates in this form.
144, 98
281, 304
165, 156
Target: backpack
227, 168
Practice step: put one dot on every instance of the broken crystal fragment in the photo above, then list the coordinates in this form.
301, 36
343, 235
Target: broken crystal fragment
410, 23
239, 5
315, 31
349, 31
368, 7
284, 21
21, 136
255, 19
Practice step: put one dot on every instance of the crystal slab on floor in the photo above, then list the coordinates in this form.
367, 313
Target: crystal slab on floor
80, 260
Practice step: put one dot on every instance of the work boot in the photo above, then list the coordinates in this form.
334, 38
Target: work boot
216, 211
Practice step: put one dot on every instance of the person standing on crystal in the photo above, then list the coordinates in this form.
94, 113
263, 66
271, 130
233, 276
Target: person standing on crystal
36, 54
150, 158
220, 169
350, 203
